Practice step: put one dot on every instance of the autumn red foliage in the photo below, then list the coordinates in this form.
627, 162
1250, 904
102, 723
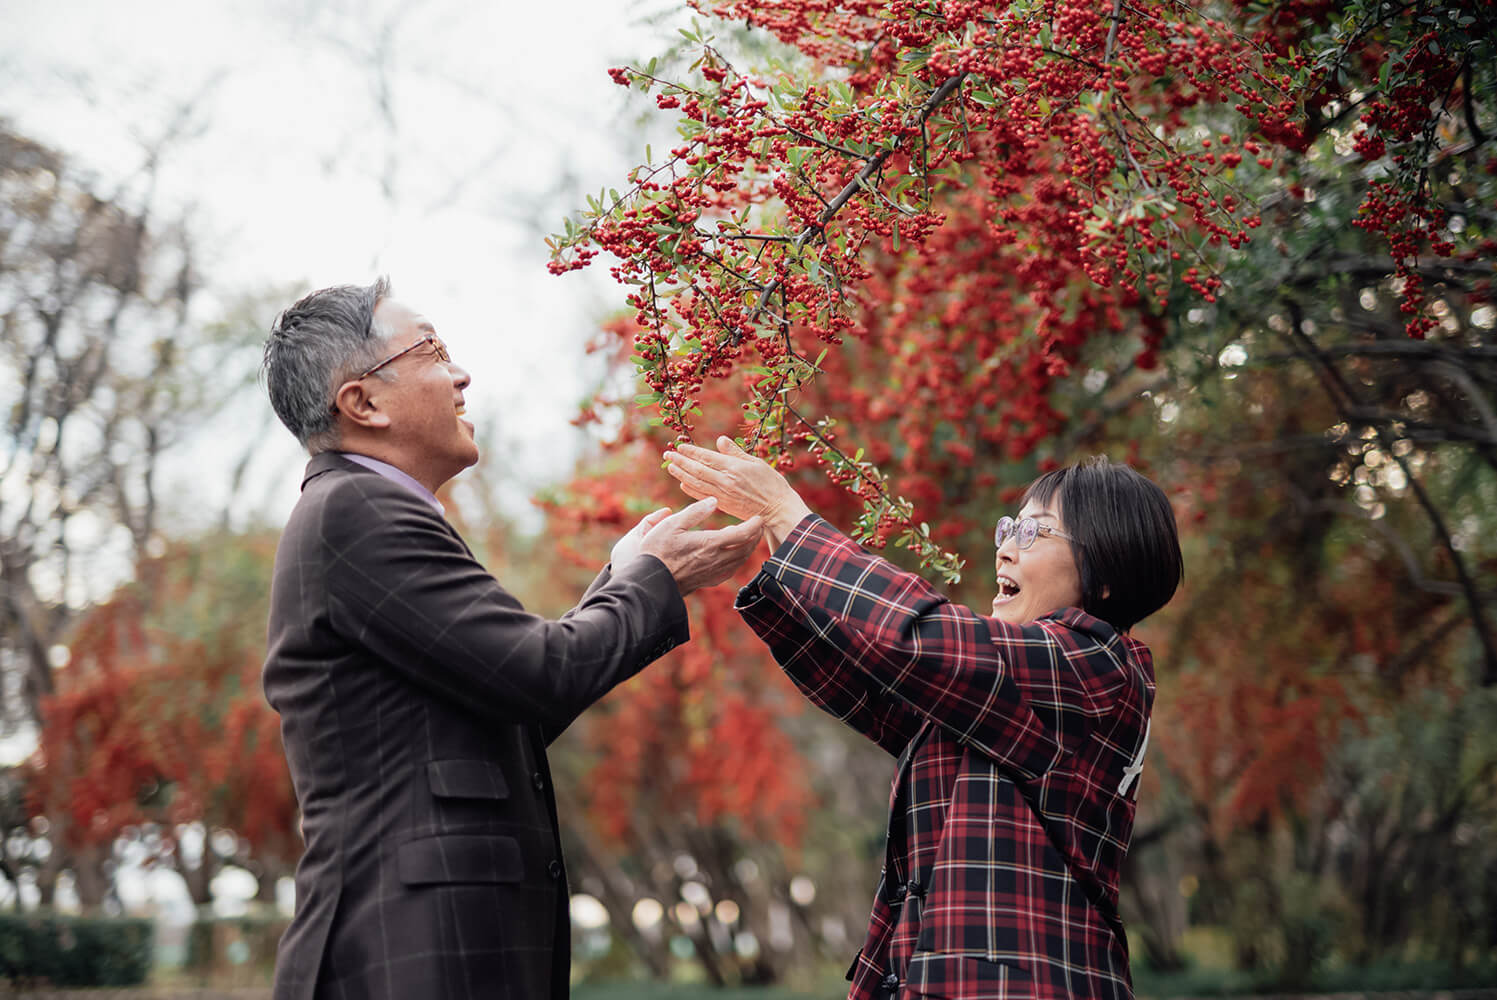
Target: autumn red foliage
167, 725
886, 264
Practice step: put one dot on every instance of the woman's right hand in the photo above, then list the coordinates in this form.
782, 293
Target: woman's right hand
743, 484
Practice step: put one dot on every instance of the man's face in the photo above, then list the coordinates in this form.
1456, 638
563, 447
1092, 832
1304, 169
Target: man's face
424, 400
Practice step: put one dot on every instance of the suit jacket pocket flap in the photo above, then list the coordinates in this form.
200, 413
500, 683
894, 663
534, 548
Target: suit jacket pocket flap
451, 858
466, 779
970, 977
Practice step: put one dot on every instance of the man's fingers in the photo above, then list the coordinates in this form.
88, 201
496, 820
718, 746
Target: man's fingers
736, 534
751, 528
690, 516
653, 518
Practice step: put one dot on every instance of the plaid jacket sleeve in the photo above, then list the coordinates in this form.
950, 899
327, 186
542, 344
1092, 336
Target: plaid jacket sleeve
1023, 695
821, 670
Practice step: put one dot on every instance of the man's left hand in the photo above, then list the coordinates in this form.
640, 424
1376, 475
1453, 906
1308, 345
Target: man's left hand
627, 548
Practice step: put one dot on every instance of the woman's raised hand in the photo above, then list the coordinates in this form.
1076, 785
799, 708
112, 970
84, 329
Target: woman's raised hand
743, 485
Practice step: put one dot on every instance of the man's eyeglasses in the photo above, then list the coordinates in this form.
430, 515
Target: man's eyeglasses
1026, 529
430, 338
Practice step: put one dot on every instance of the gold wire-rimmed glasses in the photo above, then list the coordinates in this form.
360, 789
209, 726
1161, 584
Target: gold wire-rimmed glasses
430, 338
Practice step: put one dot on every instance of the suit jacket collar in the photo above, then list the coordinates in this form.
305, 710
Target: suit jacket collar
329, 461
334, 461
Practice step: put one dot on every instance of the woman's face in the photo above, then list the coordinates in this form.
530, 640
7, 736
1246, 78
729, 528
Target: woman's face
1035, 581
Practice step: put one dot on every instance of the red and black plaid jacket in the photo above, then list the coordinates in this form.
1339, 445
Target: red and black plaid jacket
1019, 748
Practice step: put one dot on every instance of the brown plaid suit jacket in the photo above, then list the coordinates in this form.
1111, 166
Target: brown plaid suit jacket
417, 698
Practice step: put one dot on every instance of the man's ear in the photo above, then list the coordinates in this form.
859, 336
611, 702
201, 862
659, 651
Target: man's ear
355, 402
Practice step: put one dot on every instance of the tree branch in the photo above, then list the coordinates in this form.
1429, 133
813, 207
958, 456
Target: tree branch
1347, 402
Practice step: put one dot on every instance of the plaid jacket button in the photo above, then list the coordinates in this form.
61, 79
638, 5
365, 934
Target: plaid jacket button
554, 869
891, 981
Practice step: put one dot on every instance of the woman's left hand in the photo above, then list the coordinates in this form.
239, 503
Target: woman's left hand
743, 484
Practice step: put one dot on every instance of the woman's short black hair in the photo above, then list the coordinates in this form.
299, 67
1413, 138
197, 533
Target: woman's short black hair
1126, 547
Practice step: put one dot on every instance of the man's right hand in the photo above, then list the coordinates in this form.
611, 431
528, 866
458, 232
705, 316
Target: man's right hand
701, 558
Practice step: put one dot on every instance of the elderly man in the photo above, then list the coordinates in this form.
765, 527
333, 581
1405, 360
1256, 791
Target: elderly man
416, 695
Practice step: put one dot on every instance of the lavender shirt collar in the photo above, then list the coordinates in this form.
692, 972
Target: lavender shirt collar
393, 474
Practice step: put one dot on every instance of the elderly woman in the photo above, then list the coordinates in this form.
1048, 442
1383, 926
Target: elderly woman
1020, 734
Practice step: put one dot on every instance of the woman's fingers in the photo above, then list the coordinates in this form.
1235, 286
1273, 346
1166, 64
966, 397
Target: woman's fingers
728, 446
690, 484
705, 456
692, 490
681, 468
705, 477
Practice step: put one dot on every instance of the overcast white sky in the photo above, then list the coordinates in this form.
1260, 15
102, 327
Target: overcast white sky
499, 113
299, 171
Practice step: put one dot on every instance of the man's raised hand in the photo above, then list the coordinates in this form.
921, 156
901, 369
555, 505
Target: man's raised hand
627, 548
700, 558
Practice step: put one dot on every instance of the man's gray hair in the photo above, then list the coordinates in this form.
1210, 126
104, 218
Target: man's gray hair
315, 346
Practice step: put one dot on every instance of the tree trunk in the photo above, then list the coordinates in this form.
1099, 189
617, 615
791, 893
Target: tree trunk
89, 880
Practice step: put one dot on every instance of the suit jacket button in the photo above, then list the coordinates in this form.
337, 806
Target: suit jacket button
554, 869
539, 781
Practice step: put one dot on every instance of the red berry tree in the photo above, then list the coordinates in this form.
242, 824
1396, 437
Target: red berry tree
916, 252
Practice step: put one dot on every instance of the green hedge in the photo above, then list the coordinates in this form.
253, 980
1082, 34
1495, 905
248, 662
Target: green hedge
44, 948
220, 943
1395, 977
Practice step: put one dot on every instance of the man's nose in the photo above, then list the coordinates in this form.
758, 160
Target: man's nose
460, 376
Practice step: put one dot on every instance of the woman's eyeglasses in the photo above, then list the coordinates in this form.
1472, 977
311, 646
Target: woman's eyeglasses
1026, 530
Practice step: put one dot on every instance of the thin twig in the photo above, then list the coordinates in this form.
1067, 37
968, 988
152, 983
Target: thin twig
935, 100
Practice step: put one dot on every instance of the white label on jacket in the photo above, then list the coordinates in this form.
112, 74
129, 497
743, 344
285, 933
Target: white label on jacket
1131, 773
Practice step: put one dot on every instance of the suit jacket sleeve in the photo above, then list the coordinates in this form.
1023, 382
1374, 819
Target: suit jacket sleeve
1024, 695
402, 583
